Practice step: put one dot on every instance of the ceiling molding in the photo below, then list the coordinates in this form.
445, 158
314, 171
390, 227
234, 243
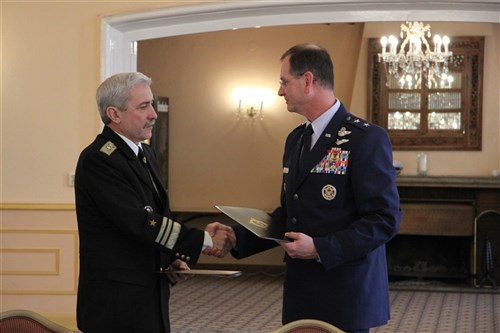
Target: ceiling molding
119, 32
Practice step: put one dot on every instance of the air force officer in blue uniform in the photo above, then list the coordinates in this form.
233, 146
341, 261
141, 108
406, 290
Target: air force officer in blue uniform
339, 203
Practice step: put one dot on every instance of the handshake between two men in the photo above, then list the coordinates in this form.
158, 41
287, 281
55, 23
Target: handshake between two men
223, 238
299, 246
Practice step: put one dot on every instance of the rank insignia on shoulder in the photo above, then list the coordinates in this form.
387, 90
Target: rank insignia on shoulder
108, 148
360, 123
152, 223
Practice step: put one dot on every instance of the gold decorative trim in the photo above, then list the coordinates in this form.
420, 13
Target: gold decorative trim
73, 233
38, 292
55, 252
35, 206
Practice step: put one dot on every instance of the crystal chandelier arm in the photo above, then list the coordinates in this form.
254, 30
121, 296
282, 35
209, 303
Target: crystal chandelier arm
406, 30
427, 46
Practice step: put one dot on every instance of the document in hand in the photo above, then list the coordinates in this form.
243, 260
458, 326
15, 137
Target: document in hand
257, 221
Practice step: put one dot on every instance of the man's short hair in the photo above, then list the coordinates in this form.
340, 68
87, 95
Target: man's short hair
115, 91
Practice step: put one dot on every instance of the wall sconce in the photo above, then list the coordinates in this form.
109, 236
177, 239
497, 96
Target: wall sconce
251, 111
251, 102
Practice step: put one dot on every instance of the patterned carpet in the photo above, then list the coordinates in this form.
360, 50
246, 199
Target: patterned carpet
251, 303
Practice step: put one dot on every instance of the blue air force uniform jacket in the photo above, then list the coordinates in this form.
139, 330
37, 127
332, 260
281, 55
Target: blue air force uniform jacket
346, 199
126, 237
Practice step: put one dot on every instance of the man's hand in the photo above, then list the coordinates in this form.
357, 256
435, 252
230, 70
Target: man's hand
223, 239
178, 265
302, 246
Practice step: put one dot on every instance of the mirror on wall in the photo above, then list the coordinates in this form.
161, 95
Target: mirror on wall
427, 112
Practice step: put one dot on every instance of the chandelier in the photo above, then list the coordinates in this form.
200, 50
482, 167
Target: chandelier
416, 60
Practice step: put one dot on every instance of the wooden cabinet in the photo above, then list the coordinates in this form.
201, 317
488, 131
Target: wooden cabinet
444, 209
481, 192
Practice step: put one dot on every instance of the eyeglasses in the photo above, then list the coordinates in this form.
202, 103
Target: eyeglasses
284, 83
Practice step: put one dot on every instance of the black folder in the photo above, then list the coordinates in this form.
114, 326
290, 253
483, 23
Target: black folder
257, 221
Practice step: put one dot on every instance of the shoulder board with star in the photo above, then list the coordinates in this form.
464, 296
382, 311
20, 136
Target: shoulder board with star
358, 122
108, 148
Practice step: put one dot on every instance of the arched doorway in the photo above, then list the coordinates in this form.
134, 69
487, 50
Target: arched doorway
119, 33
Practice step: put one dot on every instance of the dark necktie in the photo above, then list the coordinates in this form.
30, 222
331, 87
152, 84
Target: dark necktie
145, 165
306, 144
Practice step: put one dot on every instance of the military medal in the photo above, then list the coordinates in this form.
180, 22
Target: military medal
335, 161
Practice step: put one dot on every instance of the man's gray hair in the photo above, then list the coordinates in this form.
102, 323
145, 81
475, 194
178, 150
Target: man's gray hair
115, 91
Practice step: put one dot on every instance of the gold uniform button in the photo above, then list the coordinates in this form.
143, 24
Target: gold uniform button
188, 258
177, 255
183, 256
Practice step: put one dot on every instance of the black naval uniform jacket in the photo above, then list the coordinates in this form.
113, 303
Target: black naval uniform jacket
346, 199
127, 236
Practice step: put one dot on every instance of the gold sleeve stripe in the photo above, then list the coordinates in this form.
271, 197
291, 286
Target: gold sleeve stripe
168, 234
174, 235
162, 230
165, 231
169, 223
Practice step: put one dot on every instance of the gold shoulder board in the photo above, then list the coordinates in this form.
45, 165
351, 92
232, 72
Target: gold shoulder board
108, 148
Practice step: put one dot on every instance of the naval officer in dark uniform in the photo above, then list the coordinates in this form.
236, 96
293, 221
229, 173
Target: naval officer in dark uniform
339, 203
127, 234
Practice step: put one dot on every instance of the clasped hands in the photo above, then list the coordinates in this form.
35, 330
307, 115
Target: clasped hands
223, 238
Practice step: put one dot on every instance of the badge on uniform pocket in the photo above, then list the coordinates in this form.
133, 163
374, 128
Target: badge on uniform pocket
329, 192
